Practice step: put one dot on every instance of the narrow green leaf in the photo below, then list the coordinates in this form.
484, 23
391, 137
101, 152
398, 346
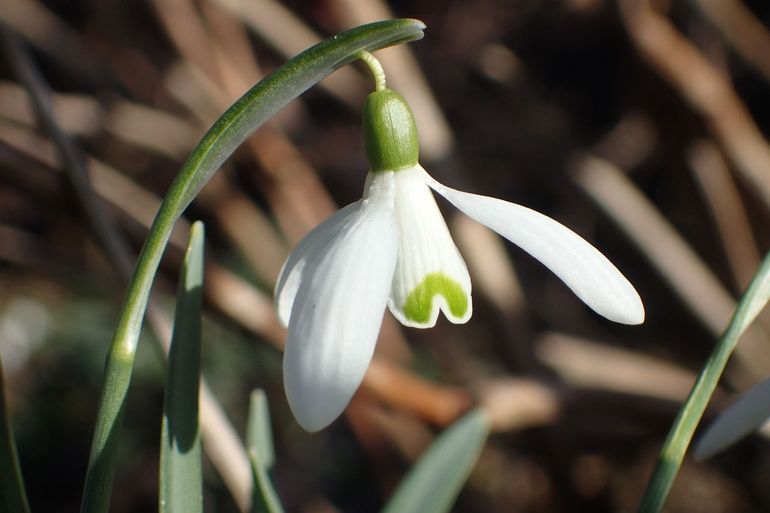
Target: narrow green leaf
264, 499
437, 478
180, 448
259, 440
680, 435
259, 435
246, 115
13, 498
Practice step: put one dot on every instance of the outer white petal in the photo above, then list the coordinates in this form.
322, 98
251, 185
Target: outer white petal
582, 267
311, 245
338, 310
430, 273
743, 417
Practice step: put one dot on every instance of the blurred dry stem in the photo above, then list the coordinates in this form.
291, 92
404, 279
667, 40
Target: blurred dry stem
732, 221
585, 363
706, 90
45, 30
673, 258
133, 202
285, 32
514, 404
68, 155
742, 30
78, 115
629, 143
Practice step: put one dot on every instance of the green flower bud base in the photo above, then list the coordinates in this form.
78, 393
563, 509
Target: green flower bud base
390, 134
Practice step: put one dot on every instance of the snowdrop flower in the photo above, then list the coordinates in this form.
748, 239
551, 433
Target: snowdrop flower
392, 249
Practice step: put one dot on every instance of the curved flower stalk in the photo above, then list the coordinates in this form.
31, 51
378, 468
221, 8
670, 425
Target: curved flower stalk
392, 249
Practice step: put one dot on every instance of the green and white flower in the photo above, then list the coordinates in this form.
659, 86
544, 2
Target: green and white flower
392, 249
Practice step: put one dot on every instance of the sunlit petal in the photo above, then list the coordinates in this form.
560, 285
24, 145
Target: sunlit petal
430, 273
742, 418
338, 310
310, 246
582, 267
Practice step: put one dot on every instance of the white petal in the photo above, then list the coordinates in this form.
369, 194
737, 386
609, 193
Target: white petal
430, 273
312, 244
582, 267
743, 417
338, 310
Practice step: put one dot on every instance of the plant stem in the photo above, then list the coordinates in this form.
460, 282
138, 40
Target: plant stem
680, 435
376, 68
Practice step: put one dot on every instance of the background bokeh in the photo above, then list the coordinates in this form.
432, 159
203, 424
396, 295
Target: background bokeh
642, 126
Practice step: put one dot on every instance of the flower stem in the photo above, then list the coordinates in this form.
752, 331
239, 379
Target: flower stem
376, 68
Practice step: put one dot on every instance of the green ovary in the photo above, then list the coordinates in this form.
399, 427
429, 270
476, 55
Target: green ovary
419, 303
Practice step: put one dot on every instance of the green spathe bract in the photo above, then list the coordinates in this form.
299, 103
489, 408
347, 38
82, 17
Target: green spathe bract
419, 303
390, 134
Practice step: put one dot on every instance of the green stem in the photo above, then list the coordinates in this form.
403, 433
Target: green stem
680, 435
228, 132
376, 68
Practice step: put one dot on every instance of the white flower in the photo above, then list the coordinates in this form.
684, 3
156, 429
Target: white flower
392, 248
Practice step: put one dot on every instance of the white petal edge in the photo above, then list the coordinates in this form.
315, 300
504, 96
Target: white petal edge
290, 276
590, 275
338, 310
427, 259
743, 417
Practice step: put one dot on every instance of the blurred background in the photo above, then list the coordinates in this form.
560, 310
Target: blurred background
641, 126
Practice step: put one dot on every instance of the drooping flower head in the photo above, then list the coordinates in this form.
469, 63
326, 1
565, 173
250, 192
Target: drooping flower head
392, 249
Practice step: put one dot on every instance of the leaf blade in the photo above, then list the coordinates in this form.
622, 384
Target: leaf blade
443, 468
259, 436
180, 454
259, 442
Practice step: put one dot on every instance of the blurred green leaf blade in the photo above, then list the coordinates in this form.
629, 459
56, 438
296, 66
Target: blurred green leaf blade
13, 498
259, 435
259, 441
264, 499
438, 476
180, 454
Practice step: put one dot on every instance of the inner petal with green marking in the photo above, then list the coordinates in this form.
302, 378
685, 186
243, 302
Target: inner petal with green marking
419, 303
